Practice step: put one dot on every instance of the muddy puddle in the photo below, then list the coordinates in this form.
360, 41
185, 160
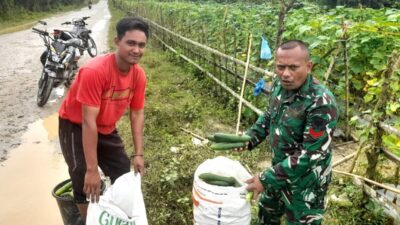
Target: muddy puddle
29, 175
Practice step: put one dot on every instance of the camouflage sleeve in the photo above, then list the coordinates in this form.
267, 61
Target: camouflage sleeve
259, 131
321, 120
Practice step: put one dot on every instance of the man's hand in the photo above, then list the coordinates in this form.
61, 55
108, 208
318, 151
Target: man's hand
254, 185
92, 185
138, 164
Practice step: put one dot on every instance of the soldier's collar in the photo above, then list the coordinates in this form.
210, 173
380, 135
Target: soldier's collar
305, 88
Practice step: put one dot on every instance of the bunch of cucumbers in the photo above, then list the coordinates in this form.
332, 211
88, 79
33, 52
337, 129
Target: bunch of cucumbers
217, 180
65, 191
223, 141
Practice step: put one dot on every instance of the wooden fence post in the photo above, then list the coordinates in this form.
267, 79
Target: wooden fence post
244, 83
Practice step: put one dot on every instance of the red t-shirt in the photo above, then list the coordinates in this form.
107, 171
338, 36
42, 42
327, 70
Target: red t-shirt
99, 83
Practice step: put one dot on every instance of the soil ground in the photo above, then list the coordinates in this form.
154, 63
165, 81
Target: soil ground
20, 70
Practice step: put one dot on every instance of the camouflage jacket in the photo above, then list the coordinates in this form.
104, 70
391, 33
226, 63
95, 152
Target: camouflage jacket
300, 125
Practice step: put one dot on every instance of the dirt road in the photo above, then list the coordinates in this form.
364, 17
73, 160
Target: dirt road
31, 162
20, 70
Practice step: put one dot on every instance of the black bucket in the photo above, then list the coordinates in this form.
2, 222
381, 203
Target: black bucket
68, 209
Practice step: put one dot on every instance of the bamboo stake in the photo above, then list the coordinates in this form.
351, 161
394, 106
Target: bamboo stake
193, 134
389, 129
347, 132
344, 159
244, 83
343, 143
394, 158
224, 29
233, 93
346, 62
329, 71
211, 50
359, 150
395, 190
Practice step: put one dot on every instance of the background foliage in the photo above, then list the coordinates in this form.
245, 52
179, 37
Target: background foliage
367, 37
323, 3
9, 8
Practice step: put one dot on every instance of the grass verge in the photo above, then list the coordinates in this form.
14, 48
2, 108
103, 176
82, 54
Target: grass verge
22, 20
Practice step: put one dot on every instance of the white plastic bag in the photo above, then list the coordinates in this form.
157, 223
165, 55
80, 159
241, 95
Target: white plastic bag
221, 205
122, 203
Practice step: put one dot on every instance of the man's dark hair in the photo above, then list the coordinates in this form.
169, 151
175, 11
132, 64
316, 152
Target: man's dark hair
131, 23
291, 44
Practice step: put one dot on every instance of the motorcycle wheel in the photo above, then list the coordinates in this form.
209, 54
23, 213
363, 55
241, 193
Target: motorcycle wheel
91, 47
45, 86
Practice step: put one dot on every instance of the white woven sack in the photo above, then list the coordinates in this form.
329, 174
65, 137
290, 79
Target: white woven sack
122, 203
217, 204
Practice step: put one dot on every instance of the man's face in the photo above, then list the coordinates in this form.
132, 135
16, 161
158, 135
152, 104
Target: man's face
131, 46
292, 67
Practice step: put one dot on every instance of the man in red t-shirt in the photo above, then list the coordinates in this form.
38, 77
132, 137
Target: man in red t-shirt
104, 88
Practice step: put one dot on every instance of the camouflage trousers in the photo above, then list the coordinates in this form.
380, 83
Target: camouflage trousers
302, 203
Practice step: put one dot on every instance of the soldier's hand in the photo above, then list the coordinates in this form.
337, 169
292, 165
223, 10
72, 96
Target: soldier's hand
254, 185
245, 146
242, 149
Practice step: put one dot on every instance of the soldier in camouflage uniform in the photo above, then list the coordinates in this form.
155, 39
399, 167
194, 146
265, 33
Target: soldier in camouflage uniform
300, 121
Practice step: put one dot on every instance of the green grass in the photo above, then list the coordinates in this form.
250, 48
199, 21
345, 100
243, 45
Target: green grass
26, 20
20, 19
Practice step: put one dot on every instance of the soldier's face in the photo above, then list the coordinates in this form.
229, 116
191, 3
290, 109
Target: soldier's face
292, 67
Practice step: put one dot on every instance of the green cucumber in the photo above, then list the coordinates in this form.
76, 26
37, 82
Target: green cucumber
64, 188
67, 195
249, 196
219, 183
227, 146
231, 138
214, 179
211, 137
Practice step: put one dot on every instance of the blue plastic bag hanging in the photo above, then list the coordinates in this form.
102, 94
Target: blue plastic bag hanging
259, 87
265, 50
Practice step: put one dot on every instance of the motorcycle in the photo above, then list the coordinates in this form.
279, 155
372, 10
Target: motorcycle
59, 62
79, 30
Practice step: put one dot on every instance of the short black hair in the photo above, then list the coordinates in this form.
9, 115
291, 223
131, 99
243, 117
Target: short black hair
131, 23
291, 44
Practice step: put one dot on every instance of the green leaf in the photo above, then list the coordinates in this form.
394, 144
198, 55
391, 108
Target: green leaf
394, 86
394, 106
368, 97
357, 84
365, 39
357, 67
372, 81
393, 17
304, 28
354, 118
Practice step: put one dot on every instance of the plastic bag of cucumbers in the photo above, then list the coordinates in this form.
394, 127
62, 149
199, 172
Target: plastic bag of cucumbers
219, 193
